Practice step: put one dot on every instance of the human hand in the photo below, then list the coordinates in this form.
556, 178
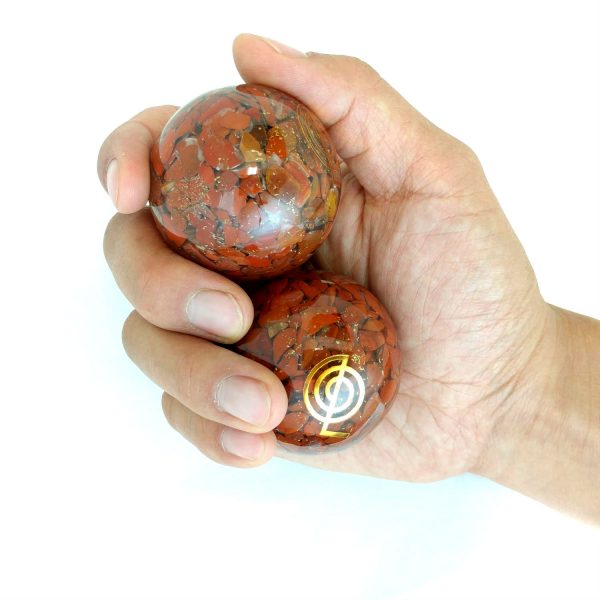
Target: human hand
418, 224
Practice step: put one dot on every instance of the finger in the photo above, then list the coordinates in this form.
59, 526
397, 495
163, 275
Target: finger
169, 290
367, 119
220, 443
123, 160
211, 381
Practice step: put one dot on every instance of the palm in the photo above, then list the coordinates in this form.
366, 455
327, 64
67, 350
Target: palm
442, 258
417, 224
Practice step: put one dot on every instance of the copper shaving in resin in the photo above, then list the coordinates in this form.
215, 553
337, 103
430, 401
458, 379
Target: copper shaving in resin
329, 339
245, 181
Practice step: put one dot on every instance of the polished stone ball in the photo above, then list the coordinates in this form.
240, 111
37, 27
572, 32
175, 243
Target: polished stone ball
334, 347
245, 181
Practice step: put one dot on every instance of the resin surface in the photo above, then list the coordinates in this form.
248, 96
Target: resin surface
333, 345
245, 181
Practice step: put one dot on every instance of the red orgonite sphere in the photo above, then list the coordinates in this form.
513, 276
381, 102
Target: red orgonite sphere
245, 181
334, 347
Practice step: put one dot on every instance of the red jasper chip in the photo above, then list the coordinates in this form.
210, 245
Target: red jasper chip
374, 374
205, 233
288, 298
175, 171
276, 144
258, 262
230, 236
313, 321
251, 185
226, 181
165, 146
309, 291
373, 403
273, 314
174, 222
220, 154
280, 184
157, 165
207, 175
373, 325
307, 330
311, 429
267, 108
249, 218
187, 156
354, 313
207, 106
265, 167
282, 342
232, 201
388, 390
292, 422
390, 333
235, 120
173, 225
223, 217
371, 340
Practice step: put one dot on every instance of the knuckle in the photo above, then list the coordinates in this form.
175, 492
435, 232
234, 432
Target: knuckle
130, 133
358, 63
350, 67
467, 167
113, 139
151, 111
454, 166
360, 68
466, 156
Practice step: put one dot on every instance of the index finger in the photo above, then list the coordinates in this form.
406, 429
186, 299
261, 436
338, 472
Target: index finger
123, 160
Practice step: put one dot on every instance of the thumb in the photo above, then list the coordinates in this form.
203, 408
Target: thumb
375, 130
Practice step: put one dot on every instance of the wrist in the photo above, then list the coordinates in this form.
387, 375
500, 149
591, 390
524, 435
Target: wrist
545, 441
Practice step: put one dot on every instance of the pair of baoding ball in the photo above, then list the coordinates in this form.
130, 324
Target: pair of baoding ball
246, 181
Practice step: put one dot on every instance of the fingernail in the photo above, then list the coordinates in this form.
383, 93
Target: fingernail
245, 445
244, 398
112, 181
215, 313
282, 48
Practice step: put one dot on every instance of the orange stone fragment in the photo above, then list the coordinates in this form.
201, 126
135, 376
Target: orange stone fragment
373, 325
276, 143
280, 184
251, 185
250, 148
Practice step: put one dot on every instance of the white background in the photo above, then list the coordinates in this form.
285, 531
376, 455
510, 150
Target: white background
99, 498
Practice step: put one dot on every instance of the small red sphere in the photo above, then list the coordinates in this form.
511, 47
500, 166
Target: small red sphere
245, 181
334, 347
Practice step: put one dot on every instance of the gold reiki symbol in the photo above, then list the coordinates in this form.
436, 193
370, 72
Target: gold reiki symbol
330, 395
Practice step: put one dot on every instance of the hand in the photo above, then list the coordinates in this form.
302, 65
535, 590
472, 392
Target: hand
418, 224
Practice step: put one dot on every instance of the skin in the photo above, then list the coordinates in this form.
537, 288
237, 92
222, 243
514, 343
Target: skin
495, 380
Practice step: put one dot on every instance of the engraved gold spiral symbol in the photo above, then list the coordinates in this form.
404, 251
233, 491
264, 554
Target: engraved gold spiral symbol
333, 392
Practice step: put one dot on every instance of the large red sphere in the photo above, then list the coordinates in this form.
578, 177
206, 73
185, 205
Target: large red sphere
333, 345
245, 181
